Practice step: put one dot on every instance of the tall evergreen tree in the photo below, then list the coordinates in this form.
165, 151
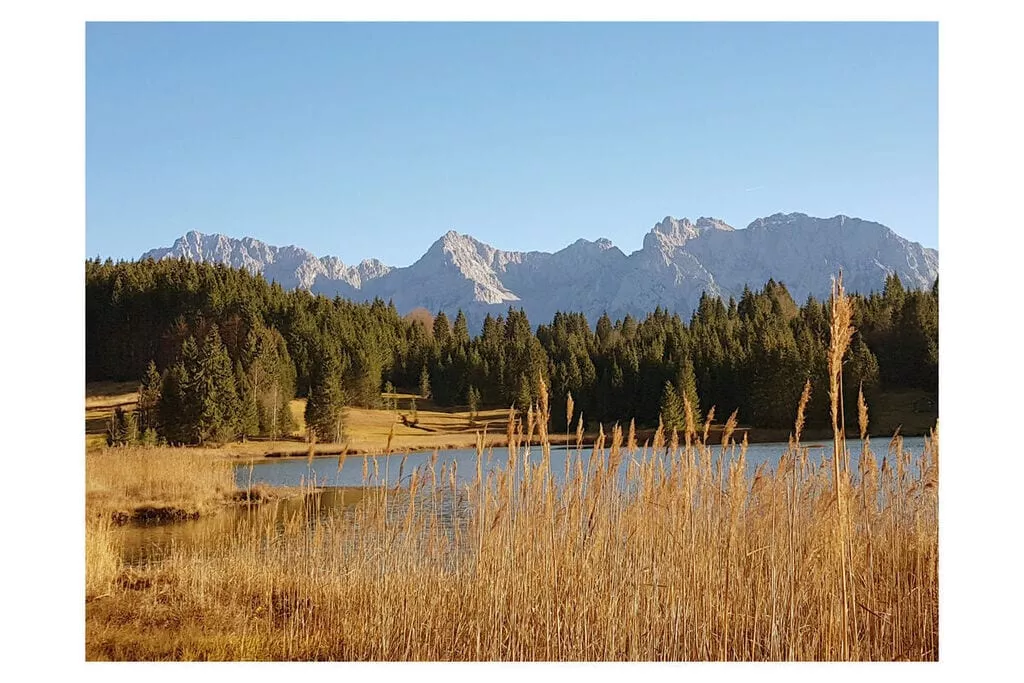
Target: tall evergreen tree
460, 331
193, 383
324, 404
171, 410
149, 399
123, 429
523, 397
442, 331
248, 418
672, 413
686, 385
473, 399
425, 383
213, 389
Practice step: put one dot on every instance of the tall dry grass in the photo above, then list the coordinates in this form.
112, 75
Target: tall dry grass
102, 557
667, 551
181, 482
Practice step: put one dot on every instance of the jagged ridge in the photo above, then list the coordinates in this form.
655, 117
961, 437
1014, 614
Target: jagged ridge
679, 261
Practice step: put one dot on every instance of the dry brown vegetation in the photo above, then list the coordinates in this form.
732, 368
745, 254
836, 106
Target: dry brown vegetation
668, 550
126, 483
366, 430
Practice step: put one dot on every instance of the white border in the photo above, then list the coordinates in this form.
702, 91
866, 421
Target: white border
42, 143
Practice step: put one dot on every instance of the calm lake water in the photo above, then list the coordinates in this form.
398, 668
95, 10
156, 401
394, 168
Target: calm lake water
341, 490
323, 472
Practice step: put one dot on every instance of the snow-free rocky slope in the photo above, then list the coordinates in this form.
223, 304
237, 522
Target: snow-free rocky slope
679, 260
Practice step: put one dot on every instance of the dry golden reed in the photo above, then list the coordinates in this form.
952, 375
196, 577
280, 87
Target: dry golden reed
677, 569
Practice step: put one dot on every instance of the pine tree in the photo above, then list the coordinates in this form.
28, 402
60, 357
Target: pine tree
604, 330
473, 398
523, 398
363, 380
278, 390
171, 409
122, 429
213, 389
425, 383
894, 292
442, 331
671, 408
686, 385
248, 413
324, 404
149, 399
460, 332
193, 388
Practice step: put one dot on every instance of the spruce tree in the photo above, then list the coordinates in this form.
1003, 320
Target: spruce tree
278, 390
686, 385
324, 404
672, 408
248, 412
123, 428
215, 393
425, 383
442, 331
149, 399
171, 409
523, 397
193, 386
473, 399
460, 331
362, 382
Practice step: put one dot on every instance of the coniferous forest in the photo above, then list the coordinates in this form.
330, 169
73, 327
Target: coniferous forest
219, 353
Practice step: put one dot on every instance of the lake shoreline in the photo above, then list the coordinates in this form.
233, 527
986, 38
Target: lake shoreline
754, 436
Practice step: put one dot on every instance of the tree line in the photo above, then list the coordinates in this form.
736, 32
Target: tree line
220, 352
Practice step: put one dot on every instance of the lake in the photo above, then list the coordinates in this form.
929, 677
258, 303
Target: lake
323, 472
340, 490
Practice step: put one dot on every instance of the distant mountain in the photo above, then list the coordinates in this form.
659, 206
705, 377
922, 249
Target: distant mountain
291, 267
679, 260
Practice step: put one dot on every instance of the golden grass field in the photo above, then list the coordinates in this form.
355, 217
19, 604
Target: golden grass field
366, 430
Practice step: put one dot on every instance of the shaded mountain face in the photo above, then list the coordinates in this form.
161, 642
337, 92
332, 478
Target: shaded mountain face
679, 261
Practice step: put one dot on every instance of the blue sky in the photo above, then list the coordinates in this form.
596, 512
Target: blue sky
372, 140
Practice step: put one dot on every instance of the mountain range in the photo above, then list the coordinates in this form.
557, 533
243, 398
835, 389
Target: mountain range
679, 260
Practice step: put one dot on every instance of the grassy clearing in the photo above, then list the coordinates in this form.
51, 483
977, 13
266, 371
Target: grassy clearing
101, 398
366, 431
131, 483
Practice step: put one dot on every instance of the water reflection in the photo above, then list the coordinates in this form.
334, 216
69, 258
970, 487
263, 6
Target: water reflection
324, 494
390, 470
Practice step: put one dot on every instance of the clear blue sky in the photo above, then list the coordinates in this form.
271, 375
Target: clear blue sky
372, 140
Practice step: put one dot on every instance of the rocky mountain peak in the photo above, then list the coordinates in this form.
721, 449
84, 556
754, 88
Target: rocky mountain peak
671, 233
704, 224
679, 260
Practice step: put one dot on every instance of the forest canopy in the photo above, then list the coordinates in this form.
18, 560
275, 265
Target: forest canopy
219, 352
